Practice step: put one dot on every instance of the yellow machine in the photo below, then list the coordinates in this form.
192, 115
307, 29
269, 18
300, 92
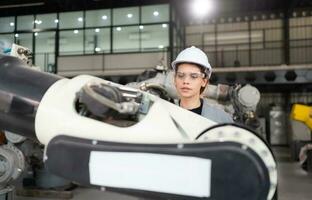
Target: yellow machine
303, 149
302, 113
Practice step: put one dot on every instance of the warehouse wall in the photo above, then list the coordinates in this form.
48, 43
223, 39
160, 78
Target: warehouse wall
252, 41
110, 64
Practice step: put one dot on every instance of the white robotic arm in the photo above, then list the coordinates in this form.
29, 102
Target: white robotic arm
240, 101
100, 133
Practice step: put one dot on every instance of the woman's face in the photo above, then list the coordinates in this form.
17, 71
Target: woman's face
188, 80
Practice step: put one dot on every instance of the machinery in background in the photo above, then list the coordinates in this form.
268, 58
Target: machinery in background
303, 149
240, 101
12, 159
102, 134
278, 126
12, 164
21, 157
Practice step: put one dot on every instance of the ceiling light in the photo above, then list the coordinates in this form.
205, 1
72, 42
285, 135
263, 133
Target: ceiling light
80, 19
104, 17
38, 21
97, 49
16, 35
97, 30
36, 34
155, 13
118, 28
202, 7
160, 46
129, 15
76, 31
56, 21
11, 23
164, 25
141, 27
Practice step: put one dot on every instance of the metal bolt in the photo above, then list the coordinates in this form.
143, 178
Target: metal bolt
220, 133
252, 141
244, 147
271, 168
236, 134
264, 153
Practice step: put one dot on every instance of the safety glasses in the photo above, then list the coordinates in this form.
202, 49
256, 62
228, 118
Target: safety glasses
192, 76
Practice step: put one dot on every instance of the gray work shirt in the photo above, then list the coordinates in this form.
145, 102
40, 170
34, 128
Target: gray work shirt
215, 114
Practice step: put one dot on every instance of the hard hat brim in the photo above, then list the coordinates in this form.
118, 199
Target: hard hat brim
176, 62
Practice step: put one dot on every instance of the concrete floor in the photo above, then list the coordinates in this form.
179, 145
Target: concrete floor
294, 183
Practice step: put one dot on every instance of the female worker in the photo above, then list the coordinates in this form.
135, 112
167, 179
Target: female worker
192, 73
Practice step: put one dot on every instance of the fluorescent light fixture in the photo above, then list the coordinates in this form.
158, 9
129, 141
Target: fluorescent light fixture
36, 34
56, 21
97, 49
118, 28
76, 31
97, 30
22, 5
104, 17
38, 21
164, 25
80, 19
160, 46
129, 15
16, 35
155, 13
201, 8
141, 27
11, 23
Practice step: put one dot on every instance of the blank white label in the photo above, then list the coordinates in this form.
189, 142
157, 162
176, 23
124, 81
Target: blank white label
182, 175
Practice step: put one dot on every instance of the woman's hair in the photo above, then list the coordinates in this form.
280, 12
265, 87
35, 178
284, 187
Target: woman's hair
202, 70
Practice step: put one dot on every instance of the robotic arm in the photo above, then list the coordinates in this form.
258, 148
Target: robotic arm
99, 133
302, 113
240, 101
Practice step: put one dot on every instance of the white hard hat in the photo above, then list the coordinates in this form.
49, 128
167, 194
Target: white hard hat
193, 55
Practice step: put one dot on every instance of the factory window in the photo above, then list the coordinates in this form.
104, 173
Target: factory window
122, 16
155, 13
300, 35
97, 40
233, 38
44, 51
24, 39
25, 22
126, 39
96, 18
209, 39
71, 42
46, 21
257, 39
195, 39
71, 20
154, 37
6, 41
7, 24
